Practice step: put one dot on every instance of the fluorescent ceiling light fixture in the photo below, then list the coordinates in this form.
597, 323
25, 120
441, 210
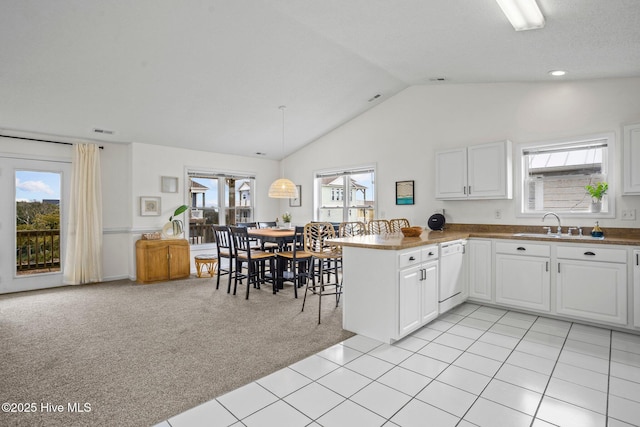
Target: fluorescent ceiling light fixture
557, 73
523, 14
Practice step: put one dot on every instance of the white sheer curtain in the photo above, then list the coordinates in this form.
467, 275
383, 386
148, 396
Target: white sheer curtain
83, 261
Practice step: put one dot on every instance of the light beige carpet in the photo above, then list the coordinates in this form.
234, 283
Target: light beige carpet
139, 354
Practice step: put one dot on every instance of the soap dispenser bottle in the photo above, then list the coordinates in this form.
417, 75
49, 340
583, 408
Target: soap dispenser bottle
597, 231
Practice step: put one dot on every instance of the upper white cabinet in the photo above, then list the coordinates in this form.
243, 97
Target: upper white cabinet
631, 156
476, 172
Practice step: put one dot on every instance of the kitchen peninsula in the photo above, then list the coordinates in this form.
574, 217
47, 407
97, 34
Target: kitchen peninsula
391, 281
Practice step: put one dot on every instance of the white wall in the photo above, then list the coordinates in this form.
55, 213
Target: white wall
151, 162
133, 170
401, 135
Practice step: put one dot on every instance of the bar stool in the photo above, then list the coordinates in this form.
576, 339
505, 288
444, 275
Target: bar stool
206, 261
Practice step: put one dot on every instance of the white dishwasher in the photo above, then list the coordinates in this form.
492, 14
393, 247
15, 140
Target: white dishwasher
451, 283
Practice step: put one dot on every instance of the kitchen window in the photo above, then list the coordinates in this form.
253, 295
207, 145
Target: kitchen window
554, 176
345, 195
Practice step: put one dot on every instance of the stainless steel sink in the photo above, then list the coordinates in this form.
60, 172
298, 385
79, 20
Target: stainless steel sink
556, 236
538, 235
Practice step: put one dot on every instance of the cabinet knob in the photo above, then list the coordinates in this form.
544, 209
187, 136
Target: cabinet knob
430, 253
411, 258
589, 253
520, 248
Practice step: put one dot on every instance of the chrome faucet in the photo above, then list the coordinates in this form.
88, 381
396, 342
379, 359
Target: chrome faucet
557, 217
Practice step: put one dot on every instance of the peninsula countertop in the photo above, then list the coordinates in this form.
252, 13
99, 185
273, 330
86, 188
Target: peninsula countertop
396, 241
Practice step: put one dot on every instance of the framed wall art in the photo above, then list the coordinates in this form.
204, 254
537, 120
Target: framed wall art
297, 202
150, 206
169, 184
404, 193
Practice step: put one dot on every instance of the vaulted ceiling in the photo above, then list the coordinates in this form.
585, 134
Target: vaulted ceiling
211, 74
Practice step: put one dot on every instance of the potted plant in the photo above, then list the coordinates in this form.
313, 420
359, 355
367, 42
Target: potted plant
175, 225
286, 218
597, 191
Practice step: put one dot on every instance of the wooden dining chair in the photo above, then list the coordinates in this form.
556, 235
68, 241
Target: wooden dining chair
268, 246
353, 228
397, 223
224, 247
297, 261
254, 259
378, 226
328, 256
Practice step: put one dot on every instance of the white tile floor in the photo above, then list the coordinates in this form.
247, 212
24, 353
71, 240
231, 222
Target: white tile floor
474, 366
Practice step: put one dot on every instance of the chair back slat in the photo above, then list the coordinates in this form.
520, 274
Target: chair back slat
316, 235
350, 229
397, 223
378, 226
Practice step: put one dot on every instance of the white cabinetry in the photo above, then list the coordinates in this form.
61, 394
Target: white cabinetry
480, 269
592, 283
523, 277
417, 289
636, 288
477, 172
631, 156
389, 293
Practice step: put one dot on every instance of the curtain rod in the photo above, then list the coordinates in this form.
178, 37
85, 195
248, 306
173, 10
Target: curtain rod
41, 140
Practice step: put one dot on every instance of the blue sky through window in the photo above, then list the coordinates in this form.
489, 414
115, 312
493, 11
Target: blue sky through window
37, 186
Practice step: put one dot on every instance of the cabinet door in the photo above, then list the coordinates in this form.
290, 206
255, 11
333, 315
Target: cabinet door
592, 290
488, 170
429, 291
636, 288
451, 174
523, 281
156, 263
479, 257
631, 148
409, 302
179, 263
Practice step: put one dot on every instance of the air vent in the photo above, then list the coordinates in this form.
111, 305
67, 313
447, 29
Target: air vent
438, 79
374, 97
103, 131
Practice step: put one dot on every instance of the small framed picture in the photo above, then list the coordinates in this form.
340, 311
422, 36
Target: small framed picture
297, 202
404, 193
169, 184
150, 206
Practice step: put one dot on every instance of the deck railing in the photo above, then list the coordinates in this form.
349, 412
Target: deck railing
37, 250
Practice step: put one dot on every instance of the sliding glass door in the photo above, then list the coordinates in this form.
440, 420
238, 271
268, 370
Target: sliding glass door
32, 223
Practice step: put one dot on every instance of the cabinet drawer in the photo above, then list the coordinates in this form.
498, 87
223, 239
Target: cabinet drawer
591, 253
429, 253
409, 258
523, 248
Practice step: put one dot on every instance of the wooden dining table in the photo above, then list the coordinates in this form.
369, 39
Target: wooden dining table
279, 236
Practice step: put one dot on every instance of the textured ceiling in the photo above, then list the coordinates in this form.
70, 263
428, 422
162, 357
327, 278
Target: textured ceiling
211, 74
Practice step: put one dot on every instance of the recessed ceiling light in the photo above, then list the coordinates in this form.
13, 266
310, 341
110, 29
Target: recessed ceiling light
557, 73
260, 153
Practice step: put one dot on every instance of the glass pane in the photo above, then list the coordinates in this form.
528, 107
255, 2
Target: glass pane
239, 196
37, 222
204, 210
362, 197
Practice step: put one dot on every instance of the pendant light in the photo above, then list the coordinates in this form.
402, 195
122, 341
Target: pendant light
283, 188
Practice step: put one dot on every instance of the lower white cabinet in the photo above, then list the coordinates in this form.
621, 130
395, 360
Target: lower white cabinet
636, 288
592, 283
523, 277
417, 288
480, 269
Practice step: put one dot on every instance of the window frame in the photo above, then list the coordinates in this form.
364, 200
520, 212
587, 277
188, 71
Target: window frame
345, 194
220, 175
609, 165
